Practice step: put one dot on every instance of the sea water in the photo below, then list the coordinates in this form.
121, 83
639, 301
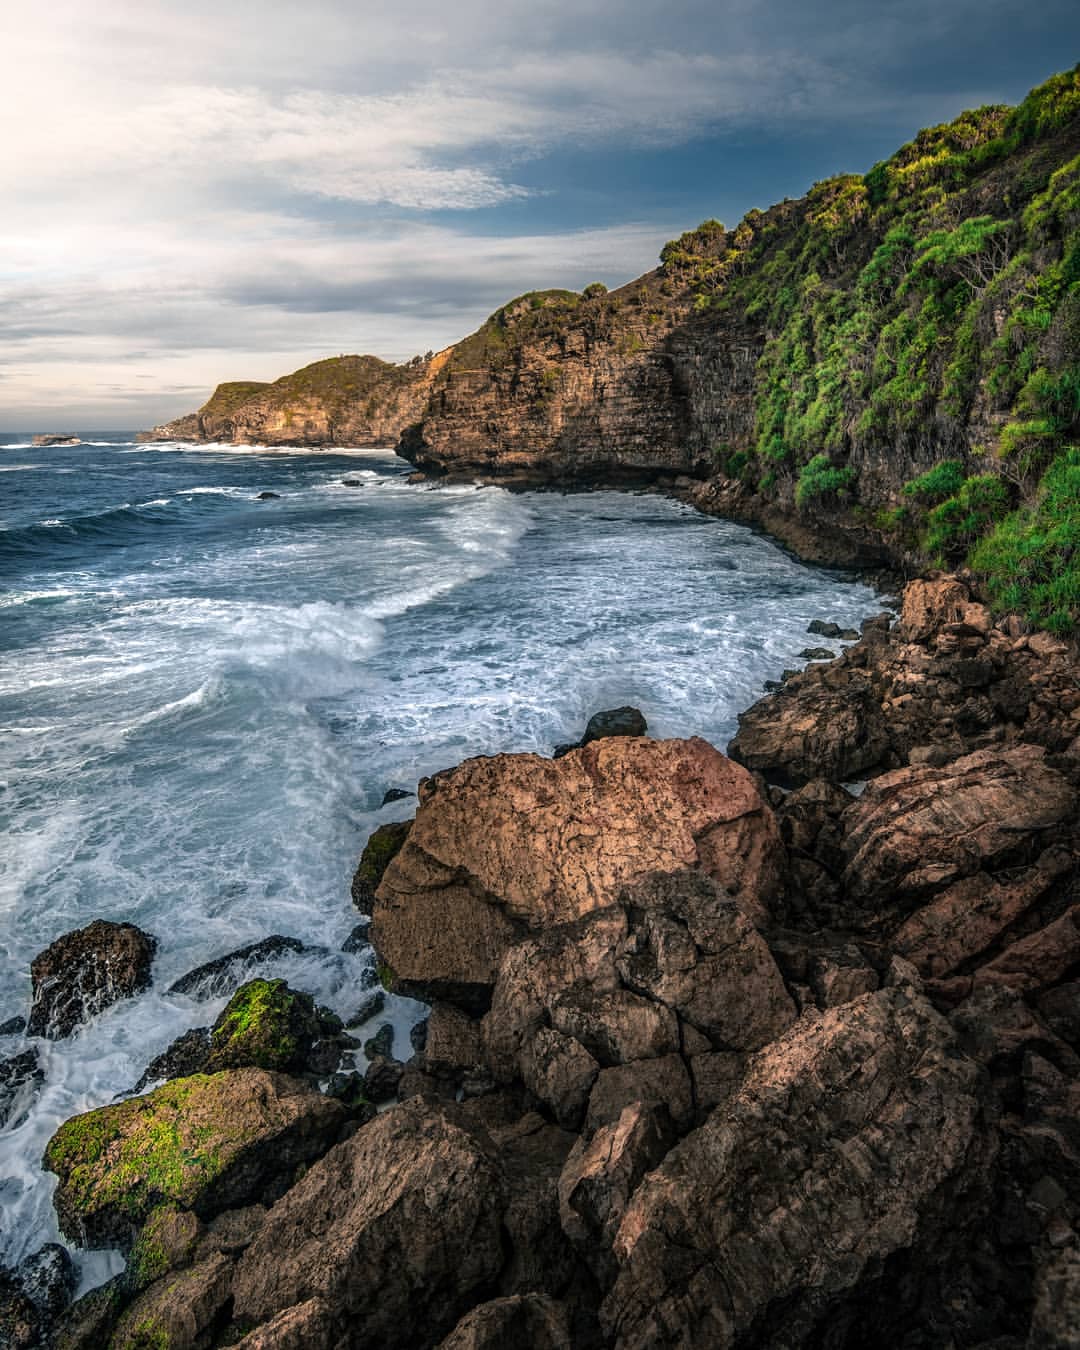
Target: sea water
204, 697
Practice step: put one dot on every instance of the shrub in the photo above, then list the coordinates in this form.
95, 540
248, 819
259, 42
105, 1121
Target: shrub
1030, 561
960, 519
820, 478
593, 289
943, 480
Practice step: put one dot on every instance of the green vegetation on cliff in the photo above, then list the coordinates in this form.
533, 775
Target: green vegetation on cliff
930, 305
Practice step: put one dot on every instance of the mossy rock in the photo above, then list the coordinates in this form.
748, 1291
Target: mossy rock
167, 1242
379, 852
265, 1025
206, 1143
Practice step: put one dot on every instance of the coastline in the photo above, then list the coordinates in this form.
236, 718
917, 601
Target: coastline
576, 1072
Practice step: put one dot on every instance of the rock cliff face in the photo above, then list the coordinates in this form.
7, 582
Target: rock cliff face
347, 400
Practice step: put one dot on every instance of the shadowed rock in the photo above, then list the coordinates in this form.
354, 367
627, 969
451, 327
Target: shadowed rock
226, 973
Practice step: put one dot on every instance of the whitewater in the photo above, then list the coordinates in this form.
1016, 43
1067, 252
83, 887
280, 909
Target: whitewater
205, 696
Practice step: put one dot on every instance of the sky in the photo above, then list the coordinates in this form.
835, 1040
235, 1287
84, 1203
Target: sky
229, 189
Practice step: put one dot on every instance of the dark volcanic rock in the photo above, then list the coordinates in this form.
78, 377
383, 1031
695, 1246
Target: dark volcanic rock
396, 795
268, 496
188, 1054
207, 1143
614, 722
358, 939
14, 1026
228, 972
85, 972
20, 1077
417, 1183
34, 1296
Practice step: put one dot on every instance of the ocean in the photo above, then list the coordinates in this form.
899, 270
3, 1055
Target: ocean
204, 697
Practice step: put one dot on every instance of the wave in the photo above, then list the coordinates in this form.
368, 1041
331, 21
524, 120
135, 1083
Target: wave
113, 526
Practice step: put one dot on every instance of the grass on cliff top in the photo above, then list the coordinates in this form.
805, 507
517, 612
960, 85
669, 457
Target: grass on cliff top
226, 398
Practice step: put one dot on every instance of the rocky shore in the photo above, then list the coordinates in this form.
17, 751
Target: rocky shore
723, 1051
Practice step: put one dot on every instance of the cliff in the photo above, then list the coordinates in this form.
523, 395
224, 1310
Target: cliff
887, 369
346, 400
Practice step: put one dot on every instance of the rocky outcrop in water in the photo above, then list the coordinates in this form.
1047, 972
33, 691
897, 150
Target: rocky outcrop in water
85, 972
751, 1067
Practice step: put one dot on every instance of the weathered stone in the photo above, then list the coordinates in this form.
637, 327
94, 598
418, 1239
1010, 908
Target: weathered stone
1056, 1315
228, 972
692, 949
85, 972
182, 1309
207, 1143
601, 1174
166, 1242
916, 830
617, 1026
382, 1079
1033, 963
851, 1125
379, 852
518, 842
396, 1230
615, 722
929, 605
518, 1322
972, 914
306, 1326
654, 1082
560, 1072
812, 729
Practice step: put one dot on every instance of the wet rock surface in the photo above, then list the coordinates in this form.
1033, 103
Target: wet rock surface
85, 972
228, 972
703, 1069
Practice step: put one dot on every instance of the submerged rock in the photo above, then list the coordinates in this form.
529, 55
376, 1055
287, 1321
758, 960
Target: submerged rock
396, 795
85, 972
516, 842
206, 1143
225, 973
20, 1078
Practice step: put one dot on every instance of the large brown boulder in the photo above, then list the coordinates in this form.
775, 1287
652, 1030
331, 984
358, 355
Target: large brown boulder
516, 842
206, 1143
85, 972
813, 728
520, 1322
825, 1161
395, 1231
917, 830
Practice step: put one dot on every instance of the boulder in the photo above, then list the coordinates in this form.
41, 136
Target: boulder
693, 950
379, 852
307, 1326
228, 972
651, 1082
85, 972
21, 1076
972, 914
266, 1025
917, 830
844, 1135
928, 606
34, 1296
397, 1231
183, 1309
516, 842
188, 1054
602, 1173
206, 1143
813, 729
396, 795
519, 1322
614, 722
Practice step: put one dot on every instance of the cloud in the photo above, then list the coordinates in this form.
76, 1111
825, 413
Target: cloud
224, 187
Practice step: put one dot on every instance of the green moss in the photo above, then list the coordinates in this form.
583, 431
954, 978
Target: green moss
265, 1025
386, 975
139, 1153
